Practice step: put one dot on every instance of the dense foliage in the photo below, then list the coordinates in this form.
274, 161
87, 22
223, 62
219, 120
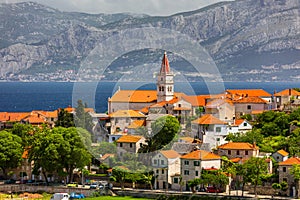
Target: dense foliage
273, 131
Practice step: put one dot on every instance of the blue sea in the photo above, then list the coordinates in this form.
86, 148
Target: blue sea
28, 96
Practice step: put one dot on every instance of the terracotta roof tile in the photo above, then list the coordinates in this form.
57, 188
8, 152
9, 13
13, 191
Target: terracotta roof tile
181, 108
25, 154
201, 155
171, 154
217, 102
238, 145
250, 92
287, 92
249, 100
239, 121
197, 101
137, 96
136, 124
126, 113
187, 139
129, 139
107, 155
208, 119
32, 119
291, 161
256, 112
283, 152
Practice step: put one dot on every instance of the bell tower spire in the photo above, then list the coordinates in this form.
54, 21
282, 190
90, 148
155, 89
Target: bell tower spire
165, 82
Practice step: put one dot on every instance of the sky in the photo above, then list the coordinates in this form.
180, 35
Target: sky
150, 7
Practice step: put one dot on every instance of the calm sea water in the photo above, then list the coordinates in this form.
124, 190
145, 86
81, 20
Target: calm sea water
24, 97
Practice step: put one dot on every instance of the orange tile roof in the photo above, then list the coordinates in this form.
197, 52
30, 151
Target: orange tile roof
181, 108
126, 113
256, 112
217, 102
145, 110
136, 124
187, 139
129, 139
201, 155
208, 119
12, 116
239, 121
197, 101
137, 96
171, 154
239, 160
25, 154
283, 152
159, 104
291, 161
249, 100
288, 92
238, 145
70, 109
107, 155
32, 119
250, 92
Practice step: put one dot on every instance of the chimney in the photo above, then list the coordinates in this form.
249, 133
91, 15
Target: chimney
290, 92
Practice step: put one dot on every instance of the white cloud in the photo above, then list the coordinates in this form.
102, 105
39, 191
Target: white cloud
151, 7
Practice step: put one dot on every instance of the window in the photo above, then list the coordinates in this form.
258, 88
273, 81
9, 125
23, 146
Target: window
245, 124
113, 138
249, 107
186, 172
162, 171
218, 139
237, 152
130, 145
284, 169
196, 173
175, 180
117, 120
186, 162
196, 163
157, 171
162, 162
246, 153
218, 129
229, 152
121, 144
155, 162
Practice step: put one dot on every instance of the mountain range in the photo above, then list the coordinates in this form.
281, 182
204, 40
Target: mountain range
247, 40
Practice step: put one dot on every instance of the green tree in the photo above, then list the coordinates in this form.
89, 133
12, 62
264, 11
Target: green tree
77, 156
24, 131
104, 148
293, 143
65, 119
82, 118
58, 150
164, 130
255, 169
296, 173
120, 174
11, 151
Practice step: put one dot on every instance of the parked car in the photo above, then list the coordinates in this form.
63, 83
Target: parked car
10, 181
212, 189
94, 185
74, 195
72, 184
202, 189
60, 196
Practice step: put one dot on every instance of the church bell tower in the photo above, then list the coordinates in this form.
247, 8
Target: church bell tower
165, 82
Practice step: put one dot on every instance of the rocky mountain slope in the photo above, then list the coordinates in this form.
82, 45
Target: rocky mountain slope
247, 39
